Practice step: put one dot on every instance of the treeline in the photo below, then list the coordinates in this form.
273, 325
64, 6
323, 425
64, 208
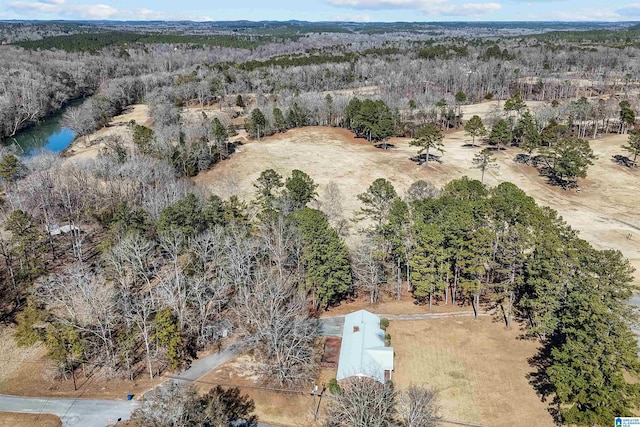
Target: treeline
409, 68
93, 42
628, 37
496, 245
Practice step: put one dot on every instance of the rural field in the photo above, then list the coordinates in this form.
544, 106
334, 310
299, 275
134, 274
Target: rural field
478, 367
605, 212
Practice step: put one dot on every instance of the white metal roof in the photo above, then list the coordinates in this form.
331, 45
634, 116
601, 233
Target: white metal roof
363, 352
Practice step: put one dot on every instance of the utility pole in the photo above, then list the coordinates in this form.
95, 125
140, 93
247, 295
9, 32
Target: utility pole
73, 371
324, 388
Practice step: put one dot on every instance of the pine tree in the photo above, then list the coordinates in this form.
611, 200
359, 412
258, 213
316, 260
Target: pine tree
325, 258
257, 123
627, 116
484, 161
10, 168
528, 134
475, 128
267, 187
500, 134
279, 120
593, 353
300, 189
428, 262
569, 158
168, 336
474, 258
428, 137
376, 203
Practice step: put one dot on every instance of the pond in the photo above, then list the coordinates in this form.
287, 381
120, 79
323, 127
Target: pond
49, 134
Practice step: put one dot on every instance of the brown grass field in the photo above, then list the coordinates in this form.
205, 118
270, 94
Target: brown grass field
605, 212
12, 419
478, 367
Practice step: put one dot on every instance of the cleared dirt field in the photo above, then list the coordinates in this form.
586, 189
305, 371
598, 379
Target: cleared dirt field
478, 367
606, 211
11, 419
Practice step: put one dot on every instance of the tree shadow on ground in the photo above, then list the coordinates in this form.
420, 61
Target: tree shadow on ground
522, 158
541, 163
495, 148
539, 379
420, 159
555, 180
384, 146
623, 161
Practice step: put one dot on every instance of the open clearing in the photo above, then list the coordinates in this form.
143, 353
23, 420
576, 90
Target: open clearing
11, 419
478, 367
291, 409
89, 147
606, 211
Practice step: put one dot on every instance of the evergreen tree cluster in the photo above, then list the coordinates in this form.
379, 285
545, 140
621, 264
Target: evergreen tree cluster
497, 245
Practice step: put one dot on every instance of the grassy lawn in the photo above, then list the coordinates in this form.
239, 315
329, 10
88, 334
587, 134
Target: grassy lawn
478, 367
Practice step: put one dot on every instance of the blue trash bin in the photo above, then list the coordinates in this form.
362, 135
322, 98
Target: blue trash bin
129, 396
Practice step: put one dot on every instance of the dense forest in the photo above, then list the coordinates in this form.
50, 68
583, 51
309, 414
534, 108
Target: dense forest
152, 268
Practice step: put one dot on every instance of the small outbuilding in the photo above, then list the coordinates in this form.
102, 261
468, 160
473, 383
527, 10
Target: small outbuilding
363, 352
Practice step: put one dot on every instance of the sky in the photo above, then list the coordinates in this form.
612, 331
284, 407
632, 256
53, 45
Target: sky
324, 10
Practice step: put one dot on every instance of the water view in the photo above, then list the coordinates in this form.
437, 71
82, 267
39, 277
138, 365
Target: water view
49, 134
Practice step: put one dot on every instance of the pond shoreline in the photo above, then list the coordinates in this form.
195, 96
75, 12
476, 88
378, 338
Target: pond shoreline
37, 136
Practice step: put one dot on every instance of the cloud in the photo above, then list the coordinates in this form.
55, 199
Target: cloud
629, 10
61, 8
27, 9
432, 7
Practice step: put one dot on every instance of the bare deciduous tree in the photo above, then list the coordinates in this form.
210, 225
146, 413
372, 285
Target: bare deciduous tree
363, 402
417, 407
368, 270
272, 315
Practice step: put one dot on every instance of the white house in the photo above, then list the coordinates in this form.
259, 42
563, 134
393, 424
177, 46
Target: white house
56, 230
363, 353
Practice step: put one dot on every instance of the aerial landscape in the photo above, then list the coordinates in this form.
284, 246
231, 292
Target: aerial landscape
338, 213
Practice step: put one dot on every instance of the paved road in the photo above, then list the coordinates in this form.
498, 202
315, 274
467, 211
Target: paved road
74, 413
332, 326
201, 367
101, 413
